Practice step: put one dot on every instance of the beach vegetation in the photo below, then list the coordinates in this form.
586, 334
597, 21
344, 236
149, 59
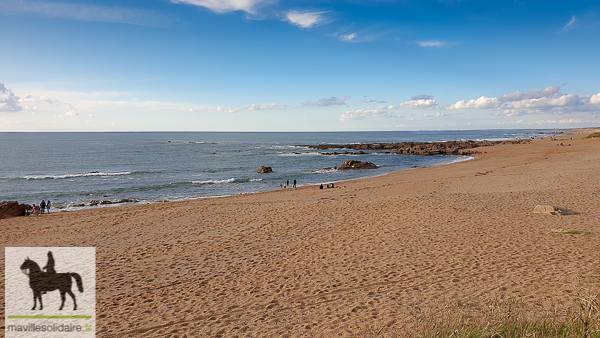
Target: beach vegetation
577, 232
510, 319
593, 135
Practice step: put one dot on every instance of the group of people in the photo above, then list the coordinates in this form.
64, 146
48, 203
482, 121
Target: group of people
330, 185
287, 184
44, 206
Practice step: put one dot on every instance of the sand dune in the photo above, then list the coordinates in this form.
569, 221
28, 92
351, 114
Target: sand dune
370, 257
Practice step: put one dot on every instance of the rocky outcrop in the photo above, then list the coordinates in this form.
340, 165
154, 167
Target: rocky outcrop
421, 148
93, 203
347, 153
357, 165
10, 209
264, 170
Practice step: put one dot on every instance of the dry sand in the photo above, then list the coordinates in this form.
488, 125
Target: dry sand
375, 257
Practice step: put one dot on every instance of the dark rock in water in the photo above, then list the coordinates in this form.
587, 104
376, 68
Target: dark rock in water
347, 153
10, 209
79, 205
106, 202
126, 200
94, 202
264, 170
357, 165
420, 148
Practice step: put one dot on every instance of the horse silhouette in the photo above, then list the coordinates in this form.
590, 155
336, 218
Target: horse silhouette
41, 282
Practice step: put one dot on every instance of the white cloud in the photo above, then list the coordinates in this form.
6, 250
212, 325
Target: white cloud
595, 99
333, 101
363, 36
360, 114
571, 24
373, 101
8, 101
422, 97
401, 125
511, 122
72, 113
176, 107
570, 121
480, 103
532, 94
83, 12
263, 106
348, 37
432, 43
307, 19
438, 114
419, 104
224, 6
548, 102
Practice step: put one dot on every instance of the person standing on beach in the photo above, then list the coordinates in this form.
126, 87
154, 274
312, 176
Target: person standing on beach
287, 183
48, 206
42, 206
294, 183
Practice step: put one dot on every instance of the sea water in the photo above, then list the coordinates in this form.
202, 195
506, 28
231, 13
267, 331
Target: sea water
75, 168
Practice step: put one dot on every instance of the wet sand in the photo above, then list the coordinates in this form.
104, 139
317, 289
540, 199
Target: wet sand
370, 258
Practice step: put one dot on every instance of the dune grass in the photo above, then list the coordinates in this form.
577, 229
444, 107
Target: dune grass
510, 321
577, 232
593, 135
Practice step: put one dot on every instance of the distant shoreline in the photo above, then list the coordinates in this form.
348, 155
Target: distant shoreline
464, 148
454, 239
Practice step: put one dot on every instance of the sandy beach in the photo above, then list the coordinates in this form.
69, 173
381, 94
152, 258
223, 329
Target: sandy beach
370, 257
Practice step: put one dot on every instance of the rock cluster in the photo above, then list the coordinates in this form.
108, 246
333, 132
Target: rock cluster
357, 165
347, 153
421, 148
10, 209
95, 202
264, 170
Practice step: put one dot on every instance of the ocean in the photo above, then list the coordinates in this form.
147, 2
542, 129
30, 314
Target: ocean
72, 169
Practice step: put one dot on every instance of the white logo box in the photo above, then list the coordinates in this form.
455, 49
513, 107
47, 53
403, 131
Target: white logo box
22, 321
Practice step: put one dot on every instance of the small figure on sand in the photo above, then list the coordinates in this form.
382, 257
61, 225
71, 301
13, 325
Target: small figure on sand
42, 206
321, 187
287, 183
48, 206
294, 183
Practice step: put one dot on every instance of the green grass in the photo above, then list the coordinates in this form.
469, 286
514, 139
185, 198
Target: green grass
593, 135
577, 232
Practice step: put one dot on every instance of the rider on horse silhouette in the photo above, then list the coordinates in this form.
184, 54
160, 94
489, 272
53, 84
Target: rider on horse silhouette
50, 265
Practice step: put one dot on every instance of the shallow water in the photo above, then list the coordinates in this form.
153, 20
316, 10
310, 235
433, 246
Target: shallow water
74, 168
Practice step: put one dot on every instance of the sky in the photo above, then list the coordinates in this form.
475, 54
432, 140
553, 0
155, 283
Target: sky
274, 65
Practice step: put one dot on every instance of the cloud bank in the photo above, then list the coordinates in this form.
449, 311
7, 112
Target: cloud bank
263, 106
84, 12
9, 103
306, 19
361, 114
333, 101
224, 6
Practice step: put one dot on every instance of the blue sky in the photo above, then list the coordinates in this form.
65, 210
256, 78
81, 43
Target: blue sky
268, 65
